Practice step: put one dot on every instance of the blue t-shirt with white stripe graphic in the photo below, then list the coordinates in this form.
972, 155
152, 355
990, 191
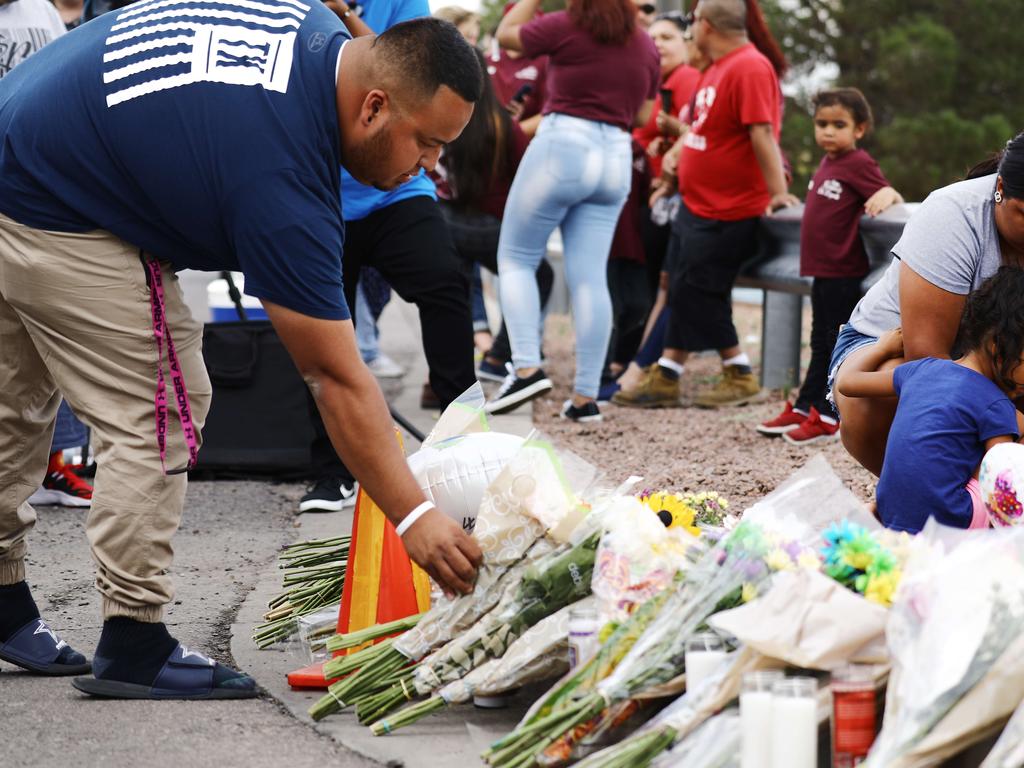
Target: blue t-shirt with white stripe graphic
204, 132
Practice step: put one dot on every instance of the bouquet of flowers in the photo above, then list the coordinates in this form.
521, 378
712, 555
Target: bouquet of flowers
861, 560
314, 577
650, 658
688, 510
547, 586
527, 499
955, 635
541, 653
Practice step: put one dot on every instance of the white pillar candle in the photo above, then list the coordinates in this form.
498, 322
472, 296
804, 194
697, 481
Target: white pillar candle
794, 731
755, 728
699, 665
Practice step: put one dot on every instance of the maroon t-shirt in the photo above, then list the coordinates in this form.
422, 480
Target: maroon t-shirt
508, 75
587, 79
628, 242
830, 244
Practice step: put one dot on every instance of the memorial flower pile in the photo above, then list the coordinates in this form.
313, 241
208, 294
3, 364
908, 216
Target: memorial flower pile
861, 561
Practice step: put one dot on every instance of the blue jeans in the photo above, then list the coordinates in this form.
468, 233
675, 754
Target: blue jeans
575, 175
367, 335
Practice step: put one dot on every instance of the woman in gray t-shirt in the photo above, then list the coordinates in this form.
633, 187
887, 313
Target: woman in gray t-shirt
959, 236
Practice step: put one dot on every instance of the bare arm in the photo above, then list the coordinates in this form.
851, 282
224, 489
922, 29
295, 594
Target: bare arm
361, 430
929, 315
882, 199
508, 30
355, 25
644, 114
769, 158
530, 125
859, 376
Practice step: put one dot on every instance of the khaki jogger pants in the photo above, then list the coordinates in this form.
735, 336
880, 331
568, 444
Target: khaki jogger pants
75, 319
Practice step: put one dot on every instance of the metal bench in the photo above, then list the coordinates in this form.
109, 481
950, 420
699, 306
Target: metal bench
776, 271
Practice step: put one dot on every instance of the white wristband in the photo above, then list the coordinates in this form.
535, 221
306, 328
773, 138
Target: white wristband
412, 517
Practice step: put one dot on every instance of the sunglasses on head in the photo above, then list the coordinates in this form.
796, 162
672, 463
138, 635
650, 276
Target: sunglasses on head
647, 8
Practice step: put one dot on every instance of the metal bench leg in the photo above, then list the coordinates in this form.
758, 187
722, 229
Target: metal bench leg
780, 339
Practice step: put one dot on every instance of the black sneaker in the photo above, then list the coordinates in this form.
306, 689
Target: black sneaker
516, 391
583, 414
329, 494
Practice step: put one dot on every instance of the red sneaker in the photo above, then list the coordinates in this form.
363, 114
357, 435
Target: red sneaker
62, 487
789, 419
815, 429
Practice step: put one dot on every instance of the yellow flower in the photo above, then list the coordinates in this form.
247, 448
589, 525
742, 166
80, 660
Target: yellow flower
779, 560
809, 561
882, 587
749, 592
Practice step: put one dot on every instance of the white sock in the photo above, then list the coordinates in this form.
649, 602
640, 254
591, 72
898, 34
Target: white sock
740, 359
672, 365
827, 419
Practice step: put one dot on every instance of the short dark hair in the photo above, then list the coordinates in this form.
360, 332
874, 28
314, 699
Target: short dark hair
426, 53
994, 314
850, 99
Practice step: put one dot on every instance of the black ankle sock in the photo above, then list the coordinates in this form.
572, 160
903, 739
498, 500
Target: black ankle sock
132, 651
17, 608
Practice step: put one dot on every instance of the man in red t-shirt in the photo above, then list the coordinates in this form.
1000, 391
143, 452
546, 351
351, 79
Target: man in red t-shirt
730, 172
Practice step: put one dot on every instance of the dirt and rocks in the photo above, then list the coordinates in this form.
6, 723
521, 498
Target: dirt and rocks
688, 449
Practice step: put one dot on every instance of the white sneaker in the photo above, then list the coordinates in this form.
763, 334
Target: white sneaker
383, 367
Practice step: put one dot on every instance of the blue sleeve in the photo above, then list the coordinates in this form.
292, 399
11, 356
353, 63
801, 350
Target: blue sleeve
1000, 418
288, 235
900, 374
410, 9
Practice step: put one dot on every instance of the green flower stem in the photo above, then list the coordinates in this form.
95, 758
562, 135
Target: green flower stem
340, 666
383, 703
352, 639
356, 686
411, 714
538, 736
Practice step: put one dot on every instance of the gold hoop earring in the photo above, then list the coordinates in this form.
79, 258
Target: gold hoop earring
998, 196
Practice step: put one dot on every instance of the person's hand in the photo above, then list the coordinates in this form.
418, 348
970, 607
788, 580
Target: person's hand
668, 125
661, 188
881, 200
781, 200
340, 7
891, 342
655, 148
670, 163
448, 554
515, 109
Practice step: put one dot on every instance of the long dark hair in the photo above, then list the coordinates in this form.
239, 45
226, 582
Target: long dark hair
1009, 164
993, 323
481, 154
611, 22
764, 40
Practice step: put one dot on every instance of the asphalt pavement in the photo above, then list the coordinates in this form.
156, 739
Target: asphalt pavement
224, 572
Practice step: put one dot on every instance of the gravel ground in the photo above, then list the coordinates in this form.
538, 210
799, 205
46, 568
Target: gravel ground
689, 449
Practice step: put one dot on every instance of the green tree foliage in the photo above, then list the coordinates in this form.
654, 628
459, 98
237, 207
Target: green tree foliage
943, 77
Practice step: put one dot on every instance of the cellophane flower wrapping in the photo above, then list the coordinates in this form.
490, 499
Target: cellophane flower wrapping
715, 744
956, 636
527, 499
1008, 752
546, 586
541, 653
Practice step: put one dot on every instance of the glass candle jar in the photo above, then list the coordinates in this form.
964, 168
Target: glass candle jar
795, 723
704, 652
756, 717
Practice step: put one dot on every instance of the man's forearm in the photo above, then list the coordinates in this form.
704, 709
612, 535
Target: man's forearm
769, 158
360, 427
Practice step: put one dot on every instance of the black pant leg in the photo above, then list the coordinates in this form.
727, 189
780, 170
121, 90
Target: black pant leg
409, 243
832, 302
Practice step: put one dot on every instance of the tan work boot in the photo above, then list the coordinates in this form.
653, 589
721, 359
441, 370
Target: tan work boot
734, 388
655, 390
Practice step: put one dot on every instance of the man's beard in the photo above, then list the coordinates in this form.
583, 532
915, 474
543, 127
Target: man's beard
370, 157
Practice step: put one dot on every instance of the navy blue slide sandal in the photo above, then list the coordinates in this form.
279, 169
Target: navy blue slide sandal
37, 648
187, 674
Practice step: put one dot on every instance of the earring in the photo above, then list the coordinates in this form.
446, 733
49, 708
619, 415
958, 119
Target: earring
998, 196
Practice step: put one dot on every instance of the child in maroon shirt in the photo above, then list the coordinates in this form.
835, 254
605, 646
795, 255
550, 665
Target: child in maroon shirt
848, 182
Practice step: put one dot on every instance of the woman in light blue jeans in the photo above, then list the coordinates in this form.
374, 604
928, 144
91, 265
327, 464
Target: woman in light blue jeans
575, 175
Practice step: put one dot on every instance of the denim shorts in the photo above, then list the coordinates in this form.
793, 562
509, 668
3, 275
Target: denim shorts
848, 340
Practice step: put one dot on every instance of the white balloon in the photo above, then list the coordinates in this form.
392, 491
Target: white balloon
1002, 483
455, 473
